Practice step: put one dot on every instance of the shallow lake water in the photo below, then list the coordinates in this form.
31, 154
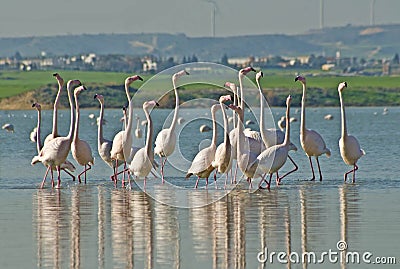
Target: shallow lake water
174, 226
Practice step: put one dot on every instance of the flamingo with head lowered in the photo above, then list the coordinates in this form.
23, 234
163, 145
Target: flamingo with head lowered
312, 142
350, 149
166, 138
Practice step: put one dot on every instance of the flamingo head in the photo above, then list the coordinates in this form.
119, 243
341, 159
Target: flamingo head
235, 108
225, 98
73, 83
259, 75
301, 79
99, 97
342, 85
214, 108
150, 104
288, 100
179, 74
59, 78
246, 70
131, 79
37, 106
231, 85
79, 89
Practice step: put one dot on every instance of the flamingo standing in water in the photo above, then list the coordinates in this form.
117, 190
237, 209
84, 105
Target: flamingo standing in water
122, 142
66, 165
202, 162
166, 138
350, 149
312, 142
54, 153
223, 155
274, 157
104, 145
80, 149
143, 160
272, 136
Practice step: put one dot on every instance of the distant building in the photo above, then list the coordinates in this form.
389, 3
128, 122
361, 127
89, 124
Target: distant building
149, 65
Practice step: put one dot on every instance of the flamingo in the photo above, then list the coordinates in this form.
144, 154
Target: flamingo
8, 127
349, 147
223, 155
272, 136
54, 132
312, 142
143, 160
138, 131
246, 159
274, 157
66, 165
122, 142
80, 149
166, 138
56, 151
202, 163
104, 145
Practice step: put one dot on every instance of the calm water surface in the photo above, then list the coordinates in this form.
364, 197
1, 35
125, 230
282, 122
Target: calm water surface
98, 226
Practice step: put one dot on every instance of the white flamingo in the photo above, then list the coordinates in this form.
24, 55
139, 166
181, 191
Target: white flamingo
138, 130
274, 157
166, 138
272, 136
80, 149
56, 151
350, 149
104, 145
143, 160
122, 142
202, 163
312, 142
66, 165
223, 155
54, 132
246, 159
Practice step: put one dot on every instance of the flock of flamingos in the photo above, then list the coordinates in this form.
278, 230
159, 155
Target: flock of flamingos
257, 154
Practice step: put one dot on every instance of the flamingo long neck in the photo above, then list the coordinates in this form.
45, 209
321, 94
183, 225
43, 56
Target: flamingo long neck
100, 129
286, 142
128, 127
175, 118
38, 141
226, 126
72, 124
55, 110
241, 91
149, 134
214, 136
76, 136
303, 110
262, 127
344, 125
235, 102
240, 135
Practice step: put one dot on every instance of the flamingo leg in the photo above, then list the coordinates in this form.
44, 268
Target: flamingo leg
144, 184
215, 179
123, 175
206, 182
355, 168
261, 181
236, 169
250, 183
312, 169
129, 179
52, 178
291, 171
277, 179
45, 175
71, 175
162, 169
59, 176
197, 183
226, 179
319, 169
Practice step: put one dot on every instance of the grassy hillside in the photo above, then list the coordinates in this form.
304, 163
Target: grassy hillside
19, 89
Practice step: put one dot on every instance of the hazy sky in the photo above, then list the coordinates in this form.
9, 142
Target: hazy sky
192, 17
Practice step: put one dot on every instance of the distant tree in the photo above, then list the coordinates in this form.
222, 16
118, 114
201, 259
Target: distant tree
184, 60
396, 59
18, 56
194, 59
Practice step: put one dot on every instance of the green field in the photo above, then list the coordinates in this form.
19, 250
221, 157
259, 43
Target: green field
362, 90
